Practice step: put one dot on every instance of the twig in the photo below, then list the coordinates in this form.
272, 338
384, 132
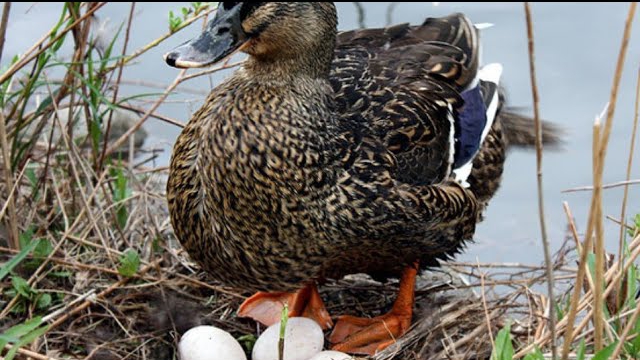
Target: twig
520, 282
13, 190
117, 86
625, 183
8, 173
631, 323
10, 203
69, 305
543, 229
153, 170
621, 223
75, 73
3, 25
496, 265
577, 286
31, 354
160, 117
486, 311
158, 85
583, 261
587, 246
598, 301
616, 81
609, 322
573, 228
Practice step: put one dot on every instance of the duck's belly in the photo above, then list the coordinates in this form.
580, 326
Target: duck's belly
258, 249
243, 239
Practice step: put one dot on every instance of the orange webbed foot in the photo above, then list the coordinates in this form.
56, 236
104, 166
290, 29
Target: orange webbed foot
367, 336
266, 308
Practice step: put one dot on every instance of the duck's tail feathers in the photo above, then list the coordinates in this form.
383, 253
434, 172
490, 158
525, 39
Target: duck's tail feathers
520, 131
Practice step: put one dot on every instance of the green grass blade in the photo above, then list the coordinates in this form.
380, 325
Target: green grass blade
26, 340
581, 350
605, 353
20, 330
535, 355
6, 268
504, 347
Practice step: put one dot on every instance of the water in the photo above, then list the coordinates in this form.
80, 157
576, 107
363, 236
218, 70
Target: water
576, 52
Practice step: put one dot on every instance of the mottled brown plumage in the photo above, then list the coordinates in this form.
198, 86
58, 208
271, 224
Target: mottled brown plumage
327, 154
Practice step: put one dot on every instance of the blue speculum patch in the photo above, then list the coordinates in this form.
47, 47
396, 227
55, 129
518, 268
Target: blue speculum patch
469, 125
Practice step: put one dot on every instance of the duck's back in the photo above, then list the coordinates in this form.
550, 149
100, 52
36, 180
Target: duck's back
403, 84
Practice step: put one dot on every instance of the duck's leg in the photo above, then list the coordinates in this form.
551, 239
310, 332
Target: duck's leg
266, 308
367, 336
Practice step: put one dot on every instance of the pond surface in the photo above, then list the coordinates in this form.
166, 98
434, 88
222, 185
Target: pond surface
576, 51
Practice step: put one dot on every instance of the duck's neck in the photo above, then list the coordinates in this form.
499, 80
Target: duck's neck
289, 61
286, 69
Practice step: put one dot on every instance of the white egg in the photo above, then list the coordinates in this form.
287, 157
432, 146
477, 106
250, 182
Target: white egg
331, 355
303, 338
209, 343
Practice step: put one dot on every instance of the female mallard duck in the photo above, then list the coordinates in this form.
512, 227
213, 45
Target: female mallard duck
369, 151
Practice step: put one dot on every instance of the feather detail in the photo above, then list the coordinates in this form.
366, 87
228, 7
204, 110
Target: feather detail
487, 89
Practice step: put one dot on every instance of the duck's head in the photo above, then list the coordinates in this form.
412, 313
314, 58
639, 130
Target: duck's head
268, 31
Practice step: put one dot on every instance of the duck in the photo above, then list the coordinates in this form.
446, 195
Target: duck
330, 153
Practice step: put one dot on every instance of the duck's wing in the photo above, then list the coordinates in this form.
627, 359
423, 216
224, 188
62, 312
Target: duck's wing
408, 85
446, 46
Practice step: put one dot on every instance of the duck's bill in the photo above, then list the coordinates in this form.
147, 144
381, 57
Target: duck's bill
220, 39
